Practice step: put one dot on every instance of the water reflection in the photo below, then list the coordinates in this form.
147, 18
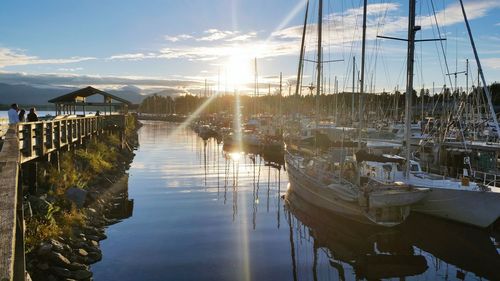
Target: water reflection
422, 246
201, 208
369, 252
122, 206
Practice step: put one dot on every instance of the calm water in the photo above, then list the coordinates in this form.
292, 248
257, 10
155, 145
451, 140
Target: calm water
202, 214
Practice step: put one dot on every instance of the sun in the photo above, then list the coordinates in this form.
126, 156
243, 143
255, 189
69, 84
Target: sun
239, 70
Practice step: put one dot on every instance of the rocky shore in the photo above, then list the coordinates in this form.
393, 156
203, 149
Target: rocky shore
79, 216
69, 258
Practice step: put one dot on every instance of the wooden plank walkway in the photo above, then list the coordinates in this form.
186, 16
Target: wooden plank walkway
26, 142
9, 170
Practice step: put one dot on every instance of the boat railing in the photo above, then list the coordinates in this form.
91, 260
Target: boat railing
297, 162
488, 179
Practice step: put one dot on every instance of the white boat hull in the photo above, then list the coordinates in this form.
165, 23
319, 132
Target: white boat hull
470, 207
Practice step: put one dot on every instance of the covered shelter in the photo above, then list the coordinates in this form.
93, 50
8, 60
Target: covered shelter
77, 101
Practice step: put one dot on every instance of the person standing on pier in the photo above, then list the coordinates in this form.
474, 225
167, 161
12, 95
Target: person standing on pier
32, 116
13, 117
22, 116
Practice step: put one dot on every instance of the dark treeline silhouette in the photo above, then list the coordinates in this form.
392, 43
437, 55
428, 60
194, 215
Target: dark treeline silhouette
375, 105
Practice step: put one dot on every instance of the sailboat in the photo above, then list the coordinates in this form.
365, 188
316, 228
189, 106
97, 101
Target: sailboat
458, 200
331, 180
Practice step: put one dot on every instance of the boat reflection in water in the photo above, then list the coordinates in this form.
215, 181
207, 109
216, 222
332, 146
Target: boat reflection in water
470, 249
422, 247
372, 252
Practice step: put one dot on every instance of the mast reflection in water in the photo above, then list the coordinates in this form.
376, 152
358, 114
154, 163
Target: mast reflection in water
202, 212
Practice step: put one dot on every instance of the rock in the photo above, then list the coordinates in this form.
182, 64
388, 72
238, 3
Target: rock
61, 272
92, 197
77, 196
82, 252
27, 277
58, 259
57, 246
67, 248
94, 257
96, 238
42, 266
44, 249
81, 274
76, 266
94, 243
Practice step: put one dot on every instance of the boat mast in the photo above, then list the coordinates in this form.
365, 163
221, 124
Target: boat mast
353, 88
362, 81
480, 70
318, 80
301, 59
256, 88
412, 29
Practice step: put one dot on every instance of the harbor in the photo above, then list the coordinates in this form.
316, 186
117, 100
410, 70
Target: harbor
250, 140
235, 221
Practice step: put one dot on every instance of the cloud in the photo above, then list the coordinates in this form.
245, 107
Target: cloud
215, 34
212, 35
177, 37
493, 63
70, 69
11, 57
243, 37
109, 82
382, 20
132, 57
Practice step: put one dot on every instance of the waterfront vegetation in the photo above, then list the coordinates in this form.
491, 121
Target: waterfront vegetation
329, 104
52, 214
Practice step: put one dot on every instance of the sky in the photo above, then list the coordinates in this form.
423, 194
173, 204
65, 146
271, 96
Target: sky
176, 45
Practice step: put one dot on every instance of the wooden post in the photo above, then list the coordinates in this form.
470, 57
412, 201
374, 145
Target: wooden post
30, 171
58, 134
50, 135
54, 159
28, 140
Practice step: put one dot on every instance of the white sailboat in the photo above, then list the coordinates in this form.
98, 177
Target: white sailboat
331, 183
460, 201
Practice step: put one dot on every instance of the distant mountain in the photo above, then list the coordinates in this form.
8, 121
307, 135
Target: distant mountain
24, 94
31, 95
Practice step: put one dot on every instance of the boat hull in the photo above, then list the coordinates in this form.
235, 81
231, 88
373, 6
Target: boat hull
323, 197
326, 197
470, 207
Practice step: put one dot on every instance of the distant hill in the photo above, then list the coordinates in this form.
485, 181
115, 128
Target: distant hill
25, 94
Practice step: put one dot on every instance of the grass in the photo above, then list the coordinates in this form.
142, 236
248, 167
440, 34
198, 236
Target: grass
77, 168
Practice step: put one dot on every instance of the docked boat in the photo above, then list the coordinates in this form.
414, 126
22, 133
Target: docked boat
332, 186
458, 200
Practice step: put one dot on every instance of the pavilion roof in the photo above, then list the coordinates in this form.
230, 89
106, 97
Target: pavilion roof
84, 93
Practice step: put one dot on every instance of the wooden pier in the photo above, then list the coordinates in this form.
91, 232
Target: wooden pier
27, 142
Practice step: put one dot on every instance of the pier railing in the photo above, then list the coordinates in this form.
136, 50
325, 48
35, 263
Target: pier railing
37, 139
26, 142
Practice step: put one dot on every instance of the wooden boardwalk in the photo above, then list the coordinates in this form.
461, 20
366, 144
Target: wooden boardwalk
27, 142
